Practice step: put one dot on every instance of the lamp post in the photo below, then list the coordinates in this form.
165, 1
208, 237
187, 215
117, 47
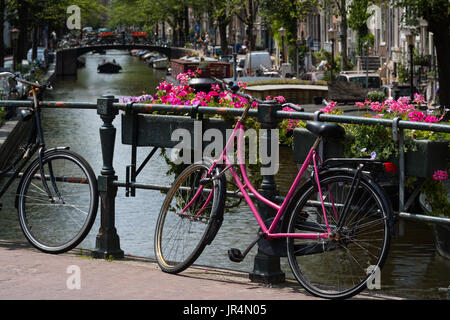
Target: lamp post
410, 37
332, 38
283, 34
14, 37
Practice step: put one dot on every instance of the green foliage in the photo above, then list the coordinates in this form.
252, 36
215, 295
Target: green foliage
436, 196
403, 75
376, 96
2, 119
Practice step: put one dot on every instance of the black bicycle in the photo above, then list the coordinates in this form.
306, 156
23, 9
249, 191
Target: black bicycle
57, 196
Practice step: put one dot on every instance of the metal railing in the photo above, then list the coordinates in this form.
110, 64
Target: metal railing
268, 114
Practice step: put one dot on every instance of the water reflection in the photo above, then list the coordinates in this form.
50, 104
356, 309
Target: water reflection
413, 270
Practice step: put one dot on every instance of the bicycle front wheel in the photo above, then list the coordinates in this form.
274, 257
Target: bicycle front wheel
189, 219
343, 265
57, 210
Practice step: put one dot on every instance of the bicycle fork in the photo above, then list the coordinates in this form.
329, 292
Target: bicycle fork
41, 156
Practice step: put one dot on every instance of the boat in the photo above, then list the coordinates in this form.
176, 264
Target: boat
160, 63
141, 54
134, 52
109, 67
147, 56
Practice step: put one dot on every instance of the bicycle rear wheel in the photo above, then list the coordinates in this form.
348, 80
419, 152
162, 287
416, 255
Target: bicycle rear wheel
189, 218
342, 266
59, 223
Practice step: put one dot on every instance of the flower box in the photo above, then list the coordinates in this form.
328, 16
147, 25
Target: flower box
430, 156
304, 140
156, 130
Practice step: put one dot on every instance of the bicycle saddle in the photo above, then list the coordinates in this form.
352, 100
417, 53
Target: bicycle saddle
328, 130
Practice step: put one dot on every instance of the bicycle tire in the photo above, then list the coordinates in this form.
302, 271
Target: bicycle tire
60, 225
180, 237
342, 267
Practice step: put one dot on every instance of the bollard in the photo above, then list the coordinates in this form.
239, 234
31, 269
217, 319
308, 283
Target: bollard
107, 241
266, 269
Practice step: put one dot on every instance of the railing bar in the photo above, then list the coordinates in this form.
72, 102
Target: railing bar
149, 108
423, 218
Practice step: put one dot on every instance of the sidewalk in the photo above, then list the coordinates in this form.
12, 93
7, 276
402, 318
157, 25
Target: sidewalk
26, 273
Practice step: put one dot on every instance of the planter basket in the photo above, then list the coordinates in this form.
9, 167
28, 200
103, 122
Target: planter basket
303, 141
156, 130
422, 163
429, 157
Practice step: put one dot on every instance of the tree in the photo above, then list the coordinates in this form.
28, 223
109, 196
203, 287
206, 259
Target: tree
287, 13
357, 21
437, 14
247, 11
223, 12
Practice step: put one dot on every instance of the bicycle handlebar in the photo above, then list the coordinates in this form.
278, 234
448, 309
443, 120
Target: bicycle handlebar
11, 75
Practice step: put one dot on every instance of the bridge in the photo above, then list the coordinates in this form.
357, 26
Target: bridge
66, 59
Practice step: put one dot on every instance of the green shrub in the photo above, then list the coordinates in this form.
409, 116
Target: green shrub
374, 96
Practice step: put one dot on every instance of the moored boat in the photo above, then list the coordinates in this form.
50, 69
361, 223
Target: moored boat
160, 63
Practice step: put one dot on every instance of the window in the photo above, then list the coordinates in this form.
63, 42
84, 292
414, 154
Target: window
374, 82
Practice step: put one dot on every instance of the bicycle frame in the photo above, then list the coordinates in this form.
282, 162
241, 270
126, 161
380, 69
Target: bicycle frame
268, 232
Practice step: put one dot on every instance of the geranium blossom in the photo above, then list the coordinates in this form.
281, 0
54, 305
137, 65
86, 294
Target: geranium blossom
417, 116
330, 107
419, 98
440, 175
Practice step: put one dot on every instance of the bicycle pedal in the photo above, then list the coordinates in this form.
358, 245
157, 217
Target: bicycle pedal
235, 255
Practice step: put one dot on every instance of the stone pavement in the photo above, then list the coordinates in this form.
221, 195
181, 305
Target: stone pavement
27, 274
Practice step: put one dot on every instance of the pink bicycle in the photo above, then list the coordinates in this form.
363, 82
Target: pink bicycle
337, 225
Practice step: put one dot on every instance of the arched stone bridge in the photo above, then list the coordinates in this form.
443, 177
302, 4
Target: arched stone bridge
66, 59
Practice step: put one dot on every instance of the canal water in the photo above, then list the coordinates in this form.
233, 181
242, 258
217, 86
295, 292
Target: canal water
413, 270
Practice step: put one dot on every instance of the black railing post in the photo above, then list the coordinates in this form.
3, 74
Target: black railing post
107, 242
266, 269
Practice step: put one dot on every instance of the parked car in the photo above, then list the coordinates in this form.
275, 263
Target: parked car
255, 60
374, 78
42, 57
395, 91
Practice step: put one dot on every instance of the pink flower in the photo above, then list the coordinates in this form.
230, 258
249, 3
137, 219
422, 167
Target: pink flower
279, 99
360, 105
242, 84
330, 107
431, 119
376, 106
255, 104
440, 175
416, 116
404, 100
419, 98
